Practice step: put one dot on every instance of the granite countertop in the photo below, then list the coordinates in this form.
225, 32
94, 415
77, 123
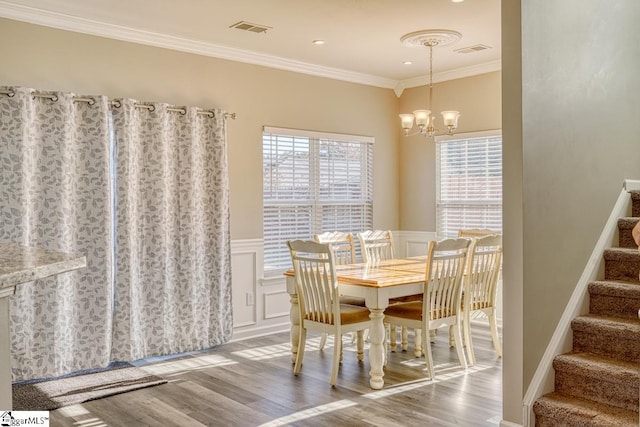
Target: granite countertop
20, 264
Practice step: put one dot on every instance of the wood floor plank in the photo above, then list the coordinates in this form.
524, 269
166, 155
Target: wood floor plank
251, 383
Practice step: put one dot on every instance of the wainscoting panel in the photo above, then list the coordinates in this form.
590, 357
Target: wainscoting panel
260, 306
276, 304
412, 243
243, 275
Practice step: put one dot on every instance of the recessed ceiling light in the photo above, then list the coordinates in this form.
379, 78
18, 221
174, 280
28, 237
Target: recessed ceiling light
407, 62
457, 1
318, 42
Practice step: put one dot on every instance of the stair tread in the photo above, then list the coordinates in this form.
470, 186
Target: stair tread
617, 251
629, 220
594, 365
631, 285
608, 321
585, 412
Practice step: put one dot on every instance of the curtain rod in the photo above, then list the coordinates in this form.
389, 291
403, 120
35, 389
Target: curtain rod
117, 103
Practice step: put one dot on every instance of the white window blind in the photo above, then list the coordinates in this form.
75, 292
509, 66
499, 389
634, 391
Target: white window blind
313, 182
469, 183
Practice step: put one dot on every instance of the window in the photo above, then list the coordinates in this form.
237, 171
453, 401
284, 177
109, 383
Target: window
469, 182
313, 182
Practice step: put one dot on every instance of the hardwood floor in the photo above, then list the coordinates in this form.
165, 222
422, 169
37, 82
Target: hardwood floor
250, 383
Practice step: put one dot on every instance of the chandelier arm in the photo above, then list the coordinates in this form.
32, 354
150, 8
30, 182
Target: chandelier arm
436, 132
423, 118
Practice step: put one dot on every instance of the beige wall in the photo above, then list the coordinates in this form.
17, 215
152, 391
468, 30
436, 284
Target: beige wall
478, 99
49, 59
512, 337
578, 142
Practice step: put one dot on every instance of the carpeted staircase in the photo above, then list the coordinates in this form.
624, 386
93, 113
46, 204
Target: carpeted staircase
598, 383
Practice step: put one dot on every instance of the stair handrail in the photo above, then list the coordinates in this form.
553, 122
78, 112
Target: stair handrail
561, 342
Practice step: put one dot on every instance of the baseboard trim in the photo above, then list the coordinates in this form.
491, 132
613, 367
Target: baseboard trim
260, 331
504, 423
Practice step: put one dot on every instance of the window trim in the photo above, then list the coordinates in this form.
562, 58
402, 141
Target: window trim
469, 135
319, 135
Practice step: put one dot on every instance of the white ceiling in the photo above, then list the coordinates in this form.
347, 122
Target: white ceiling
362, 36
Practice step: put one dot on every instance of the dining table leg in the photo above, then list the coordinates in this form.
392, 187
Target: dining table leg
376, 348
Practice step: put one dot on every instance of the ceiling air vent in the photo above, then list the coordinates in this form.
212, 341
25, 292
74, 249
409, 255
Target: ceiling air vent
474, 48
248, 26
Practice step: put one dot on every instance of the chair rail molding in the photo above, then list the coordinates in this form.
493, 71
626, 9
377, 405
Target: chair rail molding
561, 340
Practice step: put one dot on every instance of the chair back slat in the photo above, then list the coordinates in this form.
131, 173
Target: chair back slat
376, 245
316, 282
483, 270
342, 245
446, 263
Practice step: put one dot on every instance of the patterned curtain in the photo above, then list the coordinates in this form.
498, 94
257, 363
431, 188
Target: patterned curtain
55, 193
173, 261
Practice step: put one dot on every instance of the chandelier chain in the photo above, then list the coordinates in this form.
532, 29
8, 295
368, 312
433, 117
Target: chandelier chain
430, 75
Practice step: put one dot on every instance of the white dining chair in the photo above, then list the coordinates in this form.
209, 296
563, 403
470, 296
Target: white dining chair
441, 302
319, 303
480, 288
473, 234
342, 244
376, 245
344, 252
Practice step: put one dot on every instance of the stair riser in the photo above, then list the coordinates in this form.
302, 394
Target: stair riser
625, 348
542, 421
571, 420
603, 390
621, 270
614, 306
626, 238
625, 235
635, 203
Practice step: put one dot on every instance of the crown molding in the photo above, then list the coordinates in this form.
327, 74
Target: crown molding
102, 29
87, 26
444, 76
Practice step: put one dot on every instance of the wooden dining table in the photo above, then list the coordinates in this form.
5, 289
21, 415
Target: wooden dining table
376, 282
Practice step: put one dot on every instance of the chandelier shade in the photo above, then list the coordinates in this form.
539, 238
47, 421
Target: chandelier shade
424, 121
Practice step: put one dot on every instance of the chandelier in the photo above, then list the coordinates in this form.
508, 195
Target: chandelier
424, 121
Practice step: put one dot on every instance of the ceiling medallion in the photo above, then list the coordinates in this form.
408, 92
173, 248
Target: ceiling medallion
430, 38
